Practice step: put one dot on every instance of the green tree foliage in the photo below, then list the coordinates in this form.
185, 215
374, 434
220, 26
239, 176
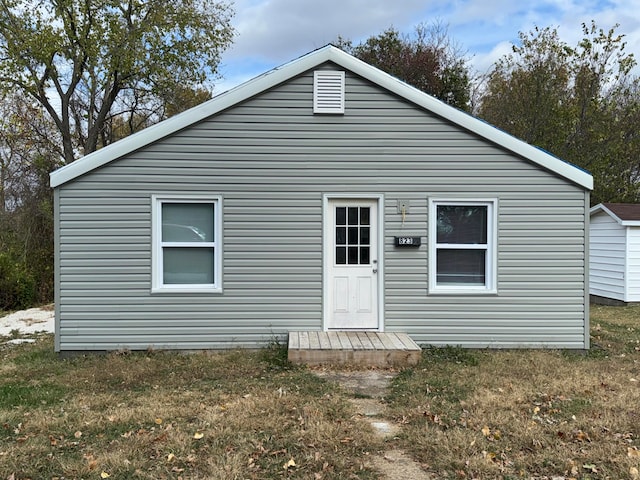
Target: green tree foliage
428, 60
579, 103
108, 58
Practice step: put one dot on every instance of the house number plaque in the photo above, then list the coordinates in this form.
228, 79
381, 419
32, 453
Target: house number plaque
407, 241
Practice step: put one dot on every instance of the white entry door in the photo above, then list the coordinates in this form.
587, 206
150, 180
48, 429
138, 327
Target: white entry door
352, 269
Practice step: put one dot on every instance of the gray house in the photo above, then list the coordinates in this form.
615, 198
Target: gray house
323, 195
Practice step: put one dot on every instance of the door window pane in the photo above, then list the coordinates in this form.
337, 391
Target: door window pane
461, 267
187, 222
364, 235
364, 255
341, 235
364, 215
353, 236
353, 216
188, 266
353, 255
341, 255
341, 215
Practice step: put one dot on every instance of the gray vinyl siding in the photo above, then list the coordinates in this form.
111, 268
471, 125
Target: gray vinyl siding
607, 258
271, 161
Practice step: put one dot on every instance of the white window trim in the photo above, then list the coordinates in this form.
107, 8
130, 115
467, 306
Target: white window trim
157, 285
491, 266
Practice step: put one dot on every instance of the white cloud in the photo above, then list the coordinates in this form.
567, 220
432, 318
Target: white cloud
273, 32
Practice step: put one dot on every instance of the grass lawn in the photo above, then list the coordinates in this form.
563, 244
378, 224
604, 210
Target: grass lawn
463, 414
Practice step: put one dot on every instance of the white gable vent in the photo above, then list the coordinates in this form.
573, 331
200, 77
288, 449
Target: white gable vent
328, 91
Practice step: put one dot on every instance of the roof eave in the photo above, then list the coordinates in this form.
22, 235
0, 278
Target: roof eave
602, 208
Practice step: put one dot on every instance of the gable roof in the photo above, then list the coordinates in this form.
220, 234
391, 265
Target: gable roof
296, 67
626, 214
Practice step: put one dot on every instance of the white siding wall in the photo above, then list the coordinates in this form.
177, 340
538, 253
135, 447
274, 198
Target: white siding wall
272, 160
633, 265
607, 257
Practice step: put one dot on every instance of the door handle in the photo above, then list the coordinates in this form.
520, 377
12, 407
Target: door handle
375, 270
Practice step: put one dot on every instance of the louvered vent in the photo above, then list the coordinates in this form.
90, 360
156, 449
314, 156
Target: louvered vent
328, 91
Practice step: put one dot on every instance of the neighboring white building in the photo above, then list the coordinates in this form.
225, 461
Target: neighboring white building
614, 253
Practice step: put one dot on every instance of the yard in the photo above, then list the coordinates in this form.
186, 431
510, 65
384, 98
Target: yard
462, 414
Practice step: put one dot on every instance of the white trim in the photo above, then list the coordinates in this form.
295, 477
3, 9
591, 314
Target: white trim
326, 242
297, 67
491, 272
157, 285
328, 91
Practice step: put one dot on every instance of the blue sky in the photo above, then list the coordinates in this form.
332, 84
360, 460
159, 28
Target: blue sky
273, 32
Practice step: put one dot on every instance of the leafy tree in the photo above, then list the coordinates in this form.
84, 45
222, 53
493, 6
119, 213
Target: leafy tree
428, 60
88, 62
28, 153
579, 103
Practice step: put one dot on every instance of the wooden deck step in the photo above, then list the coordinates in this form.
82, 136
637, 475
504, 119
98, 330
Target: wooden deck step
358, 348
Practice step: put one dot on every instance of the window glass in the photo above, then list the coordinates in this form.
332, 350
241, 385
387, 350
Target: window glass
188, 265
354, 232
462, 224
187, 222
461, 267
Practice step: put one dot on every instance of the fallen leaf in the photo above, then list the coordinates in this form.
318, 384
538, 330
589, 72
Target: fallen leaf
111, 418
158, 421
198, 435
489, 456
633, 471
104, 475
289, 464
170, 457
486, 431
582, 436
633, 452
78, 434
590, 467
536, 409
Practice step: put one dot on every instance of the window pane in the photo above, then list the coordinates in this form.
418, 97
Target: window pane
188, 265
187, 222
353, 255
364, 255
341, 235
461, 267
364, 215
353, 216
341, 255
460, 224
364, 235
341, 215
353, 235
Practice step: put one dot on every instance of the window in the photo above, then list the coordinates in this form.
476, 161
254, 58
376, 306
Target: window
186, 248
353, 242
462, 246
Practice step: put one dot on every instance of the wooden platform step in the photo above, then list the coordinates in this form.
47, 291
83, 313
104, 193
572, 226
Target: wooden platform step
358, 348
